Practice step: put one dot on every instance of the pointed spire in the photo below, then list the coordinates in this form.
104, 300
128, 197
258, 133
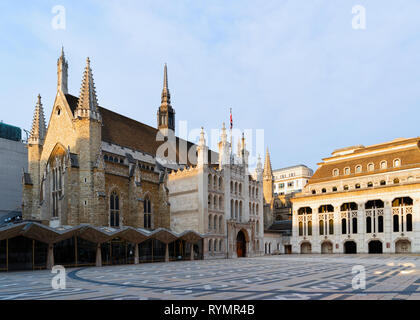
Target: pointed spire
39, 129
88, 102
166, 96
165, 114
267, 165
62, 73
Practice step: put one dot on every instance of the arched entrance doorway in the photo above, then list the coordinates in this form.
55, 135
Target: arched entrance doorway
375, 246
326, 247
305, 247
350, 247
403, 246
241, 244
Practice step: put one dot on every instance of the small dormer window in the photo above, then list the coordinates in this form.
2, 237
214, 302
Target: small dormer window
383, 165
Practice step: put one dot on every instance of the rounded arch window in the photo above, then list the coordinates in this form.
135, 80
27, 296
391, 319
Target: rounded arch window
371, 167
370, 184
383, 165
358, 169
335, 172
397, 163
347, 171
346, 188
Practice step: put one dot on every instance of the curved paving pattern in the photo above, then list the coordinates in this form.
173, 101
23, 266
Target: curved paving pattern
277, 277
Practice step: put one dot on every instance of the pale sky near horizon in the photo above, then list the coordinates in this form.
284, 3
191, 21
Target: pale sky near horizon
296, 69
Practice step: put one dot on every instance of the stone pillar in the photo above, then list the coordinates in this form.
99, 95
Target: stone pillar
136, 253
167, 253
98, 255
192, 252
50, 257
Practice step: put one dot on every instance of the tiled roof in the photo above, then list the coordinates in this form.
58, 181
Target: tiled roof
409, 157
120, 130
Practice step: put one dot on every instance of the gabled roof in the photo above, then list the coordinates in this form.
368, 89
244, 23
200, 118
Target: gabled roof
123, 131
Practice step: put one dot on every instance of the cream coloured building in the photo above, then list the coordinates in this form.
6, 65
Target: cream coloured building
221, 200
291, 179
361, 200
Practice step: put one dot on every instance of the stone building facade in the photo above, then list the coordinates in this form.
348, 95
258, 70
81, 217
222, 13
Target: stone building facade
93, 166
362, 200
221, 200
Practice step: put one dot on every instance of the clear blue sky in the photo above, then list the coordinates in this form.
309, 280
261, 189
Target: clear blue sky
294, 68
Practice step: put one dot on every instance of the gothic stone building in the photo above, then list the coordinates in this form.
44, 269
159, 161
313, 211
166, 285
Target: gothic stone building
93, 166
362, 200
221, 200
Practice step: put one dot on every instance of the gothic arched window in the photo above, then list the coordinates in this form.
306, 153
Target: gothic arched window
147, 213
114, 206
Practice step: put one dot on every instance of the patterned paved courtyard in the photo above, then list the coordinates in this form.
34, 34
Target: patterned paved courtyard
274, 278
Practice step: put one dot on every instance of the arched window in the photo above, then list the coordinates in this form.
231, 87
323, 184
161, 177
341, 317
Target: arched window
397, 163
216, 180
220, 245
409, 221
380, 224
321, 227
396, 226
210, 200
256, 208
215, 224
210, 222
114, 207
221, 183
334, 189
357, 186
324, 190
370, 184
368, 225
396, 181
232, 212
221, 224
240, 189
215, 244
210, 245
371, 167
354, 222
300, 228
258, 228
359, 169
231, 187
383, 165
221, 203
343, 226
309, 228
346, 171
215, 203
147, 213
346, 188
331, 226
383, 183
335, 172
240, 211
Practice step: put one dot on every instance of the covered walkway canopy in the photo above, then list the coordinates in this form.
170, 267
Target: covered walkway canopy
32, 245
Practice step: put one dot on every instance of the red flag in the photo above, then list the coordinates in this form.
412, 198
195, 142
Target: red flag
231, 120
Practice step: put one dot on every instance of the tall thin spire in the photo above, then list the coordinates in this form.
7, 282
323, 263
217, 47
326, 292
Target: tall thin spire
166, 96
88, 102
39, 129
165, 114
267, 165
62, 73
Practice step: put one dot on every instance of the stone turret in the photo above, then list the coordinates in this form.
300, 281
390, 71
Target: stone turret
87, 106
62, 73
268, 179
224, 149
202, 150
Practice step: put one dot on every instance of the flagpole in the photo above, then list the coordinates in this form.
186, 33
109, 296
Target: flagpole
231, 126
